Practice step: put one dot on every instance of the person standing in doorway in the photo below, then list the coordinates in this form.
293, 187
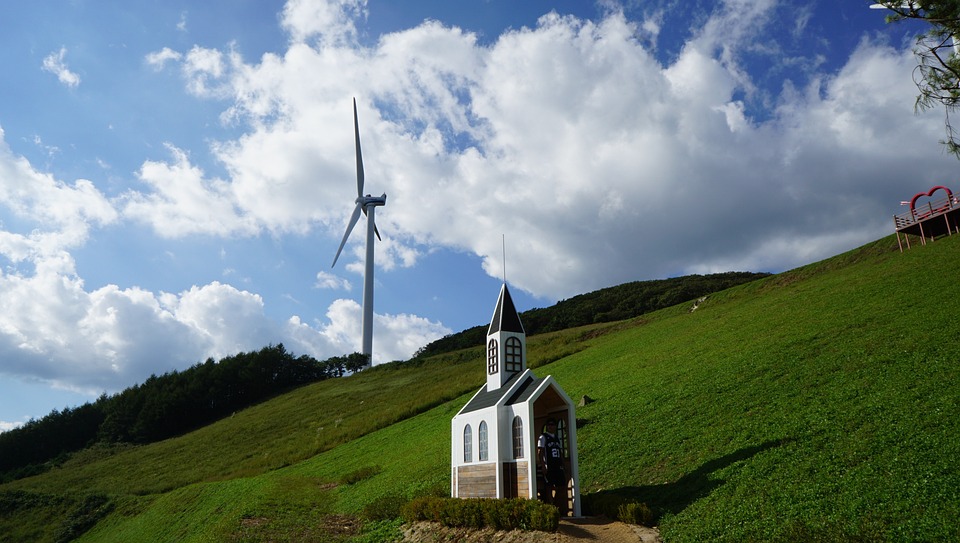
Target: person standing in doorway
550, 460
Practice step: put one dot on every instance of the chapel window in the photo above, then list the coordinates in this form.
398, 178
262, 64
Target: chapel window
517, 437
467, 444
513, 353
492, 356
483, 441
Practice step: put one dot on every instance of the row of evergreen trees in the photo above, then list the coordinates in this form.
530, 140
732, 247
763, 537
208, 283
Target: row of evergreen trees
605, 305
165, 406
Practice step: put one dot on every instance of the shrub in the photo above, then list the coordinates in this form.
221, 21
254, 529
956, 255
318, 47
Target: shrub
635, 513
541, 517
384, 508
479, 513
12, 501
84, 516
424, 508
619, 507
603, 503
503, 514
463, 513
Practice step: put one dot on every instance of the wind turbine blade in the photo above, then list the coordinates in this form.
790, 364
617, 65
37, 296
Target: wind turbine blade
353, 222
356, 132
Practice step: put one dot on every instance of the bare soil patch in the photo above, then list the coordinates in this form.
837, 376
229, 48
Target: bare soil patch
341, 525
593, 529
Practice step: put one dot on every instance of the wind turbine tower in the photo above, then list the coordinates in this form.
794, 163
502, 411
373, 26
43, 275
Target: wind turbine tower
368, 204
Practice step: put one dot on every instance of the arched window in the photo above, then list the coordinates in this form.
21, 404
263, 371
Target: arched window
483, 441
517, 437
492, 356
562, 435
512, 355
467, 444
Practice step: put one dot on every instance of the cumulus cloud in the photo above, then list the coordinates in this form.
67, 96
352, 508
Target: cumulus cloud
159, 59
330, 281
331, 21
7, 425
398, 336
55, 64
203, 68
56, 330
599, 161
62, 214
184, 201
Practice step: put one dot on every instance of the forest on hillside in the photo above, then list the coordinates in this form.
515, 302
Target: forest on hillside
605, 305
164, 406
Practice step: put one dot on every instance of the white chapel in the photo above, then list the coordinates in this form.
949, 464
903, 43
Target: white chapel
494, 436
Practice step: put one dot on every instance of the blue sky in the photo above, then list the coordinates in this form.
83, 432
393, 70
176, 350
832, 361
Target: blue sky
175, 177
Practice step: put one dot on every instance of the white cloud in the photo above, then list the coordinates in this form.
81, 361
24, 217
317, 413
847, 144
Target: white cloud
159, 59
401, 335
106, 339
397, 337
63, 213
184, 202
329, 21
203, 68
55, 64
598, 163
230, 320
56, 330
584, 148
330, 281
6, 425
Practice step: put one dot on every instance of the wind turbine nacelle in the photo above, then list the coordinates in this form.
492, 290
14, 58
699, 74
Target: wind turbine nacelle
373, 200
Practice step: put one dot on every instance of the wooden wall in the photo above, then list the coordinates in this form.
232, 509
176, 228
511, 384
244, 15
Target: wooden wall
477, 480
516, 483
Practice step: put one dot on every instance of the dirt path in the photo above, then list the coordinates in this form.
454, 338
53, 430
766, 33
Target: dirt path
593, 529
606, 531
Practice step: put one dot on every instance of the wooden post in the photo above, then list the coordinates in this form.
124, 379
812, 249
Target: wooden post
896, 230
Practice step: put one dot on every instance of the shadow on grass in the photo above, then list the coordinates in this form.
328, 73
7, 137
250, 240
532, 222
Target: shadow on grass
678, 495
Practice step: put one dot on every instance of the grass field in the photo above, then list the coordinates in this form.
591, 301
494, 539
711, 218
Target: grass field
820, 404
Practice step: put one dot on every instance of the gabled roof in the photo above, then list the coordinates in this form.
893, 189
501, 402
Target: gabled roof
517, 390
505, 317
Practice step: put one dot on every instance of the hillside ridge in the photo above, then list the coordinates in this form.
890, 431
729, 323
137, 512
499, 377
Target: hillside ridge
817, 404
179, 401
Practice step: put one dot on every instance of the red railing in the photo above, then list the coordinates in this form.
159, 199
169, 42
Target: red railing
930, 209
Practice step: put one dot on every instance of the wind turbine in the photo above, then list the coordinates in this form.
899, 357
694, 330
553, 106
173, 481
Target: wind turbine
368, 204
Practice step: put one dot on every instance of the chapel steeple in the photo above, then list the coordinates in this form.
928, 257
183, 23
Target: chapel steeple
506, 342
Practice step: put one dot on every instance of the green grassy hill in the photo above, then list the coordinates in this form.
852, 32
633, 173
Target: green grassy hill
820, 404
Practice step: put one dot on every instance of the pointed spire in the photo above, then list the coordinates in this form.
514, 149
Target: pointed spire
505, 317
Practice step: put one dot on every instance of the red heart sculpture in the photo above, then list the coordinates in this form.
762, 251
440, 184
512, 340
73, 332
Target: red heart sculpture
930, 192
